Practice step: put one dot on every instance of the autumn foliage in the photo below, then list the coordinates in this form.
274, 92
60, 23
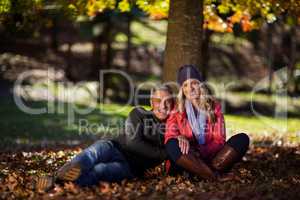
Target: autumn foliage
265, 173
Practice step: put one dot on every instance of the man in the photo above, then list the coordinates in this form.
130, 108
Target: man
137, 148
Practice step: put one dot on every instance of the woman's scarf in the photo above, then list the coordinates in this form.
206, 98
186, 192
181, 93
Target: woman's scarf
197, 123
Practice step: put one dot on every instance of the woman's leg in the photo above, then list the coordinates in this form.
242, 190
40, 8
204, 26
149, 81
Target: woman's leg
188, 161
232, 152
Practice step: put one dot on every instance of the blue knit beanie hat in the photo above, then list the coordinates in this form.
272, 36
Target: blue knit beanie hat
186, 72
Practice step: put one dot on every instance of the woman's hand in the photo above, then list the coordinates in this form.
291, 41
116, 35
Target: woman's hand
184, 144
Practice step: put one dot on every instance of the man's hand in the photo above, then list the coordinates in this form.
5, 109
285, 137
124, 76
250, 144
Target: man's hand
184, 144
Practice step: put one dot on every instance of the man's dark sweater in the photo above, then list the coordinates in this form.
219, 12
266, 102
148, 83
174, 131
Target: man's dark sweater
141, 141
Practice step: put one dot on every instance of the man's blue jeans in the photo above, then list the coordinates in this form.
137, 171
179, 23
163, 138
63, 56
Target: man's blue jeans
102, 161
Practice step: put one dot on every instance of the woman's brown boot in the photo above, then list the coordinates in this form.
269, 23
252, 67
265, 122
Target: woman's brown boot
225, 158
196, 166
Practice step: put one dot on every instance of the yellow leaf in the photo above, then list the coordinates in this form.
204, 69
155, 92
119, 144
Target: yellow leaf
124, 6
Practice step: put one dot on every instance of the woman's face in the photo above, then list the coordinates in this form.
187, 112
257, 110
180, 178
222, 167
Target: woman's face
162, 103
191, 89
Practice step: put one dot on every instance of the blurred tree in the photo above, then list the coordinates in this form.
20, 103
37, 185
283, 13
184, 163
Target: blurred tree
218, 16
184, 38
19, 16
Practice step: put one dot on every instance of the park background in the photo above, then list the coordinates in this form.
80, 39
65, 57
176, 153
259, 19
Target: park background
247, 50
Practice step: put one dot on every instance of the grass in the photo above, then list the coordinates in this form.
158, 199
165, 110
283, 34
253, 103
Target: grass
264, 98
265, 128
151, 32
20, 127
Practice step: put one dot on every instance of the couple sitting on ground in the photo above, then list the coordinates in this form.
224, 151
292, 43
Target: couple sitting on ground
189, 134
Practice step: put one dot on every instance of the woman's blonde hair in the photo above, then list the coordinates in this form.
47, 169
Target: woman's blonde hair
206, 103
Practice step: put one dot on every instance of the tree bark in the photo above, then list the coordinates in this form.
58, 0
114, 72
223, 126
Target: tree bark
108, 40
96, 57
269, 54
205, 53
184, 36
54, 34
292, 62
129, 37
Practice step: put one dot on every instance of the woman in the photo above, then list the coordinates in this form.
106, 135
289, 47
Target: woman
195, 133
138, 148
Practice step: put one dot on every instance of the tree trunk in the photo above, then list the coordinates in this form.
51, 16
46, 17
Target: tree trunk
69, 69
54, 33
96, 58
269, 54
184, 36
205, 52
129, 36
108, 40
292, 62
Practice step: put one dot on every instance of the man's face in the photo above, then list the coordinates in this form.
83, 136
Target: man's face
162, 103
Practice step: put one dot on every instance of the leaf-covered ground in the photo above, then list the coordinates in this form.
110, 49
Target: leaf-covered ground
265, 173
